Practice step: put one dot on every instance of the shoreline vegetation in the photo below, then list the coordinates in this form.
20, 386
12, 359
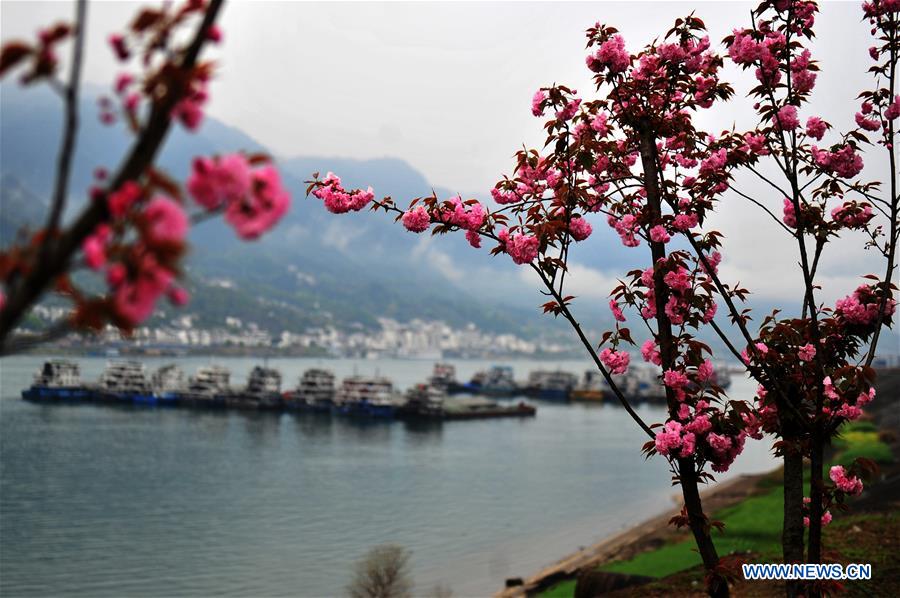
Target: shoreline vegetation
653, 558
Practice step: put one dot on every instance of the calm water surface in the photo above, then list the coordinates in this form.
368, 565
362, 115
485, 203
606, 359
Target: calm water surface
102, 501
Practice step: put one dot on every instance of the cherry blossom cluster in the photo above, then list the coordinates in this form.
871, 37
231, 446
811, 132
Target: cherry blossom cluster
138, 250
860, 309
139, 219
826, 516
338, 200
253, 198
844, 482
147, 41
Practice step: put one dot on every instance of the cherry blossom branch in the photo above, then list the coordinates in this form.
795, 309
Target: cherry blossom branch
142, 154
765, 209
70, 131
895, 205
567, 314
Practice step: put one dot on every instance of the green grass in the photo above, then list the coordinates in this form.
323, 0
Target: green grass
564, 589
754, 524
860, 439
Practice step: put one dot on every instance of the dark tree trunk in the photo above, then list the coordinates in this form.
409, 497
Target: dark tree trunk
816, 489
792, 530
716, 584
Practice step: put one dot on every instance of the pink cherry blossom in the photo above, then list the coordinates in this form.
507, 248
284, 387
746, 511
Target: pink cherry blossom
669, 438
338, 200
852, 215
678, 280
134, 299
179, 296
580, 229
166, 221
787, 118
650, 352
215, 182
868, 124
893, 109
120, 48
658, 234
522, 248
816, 127
262, 208
616, 311
611, 55
700, 425
121, 200
790, 215
844, 162
807, 352
416, 220
685, 222
704, 371
845, 483
94, 252
675, 379
616, 361
189, 110
539, 96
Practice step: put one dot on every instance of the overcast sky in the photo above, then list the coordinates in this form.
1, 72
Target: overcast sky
447, 87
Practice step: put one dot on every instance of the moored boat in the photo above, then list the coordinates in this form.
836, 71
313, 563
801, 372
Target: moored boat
263, 391
591, 388
443, 377
125, 382
361, 396
208, 388
425, 402
315, 392
550, 385
168, 382
58, 379
495, 382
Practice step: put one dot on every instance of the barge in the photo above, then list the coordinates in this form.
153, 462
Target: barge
57, 380
360, 396
591, 389
125, 382
550, 385
315, 392
495, 382
425, 402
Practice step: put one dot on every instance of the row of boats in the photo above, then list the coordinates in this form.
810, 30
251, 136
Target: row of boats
641, 383
128, 382
317, 391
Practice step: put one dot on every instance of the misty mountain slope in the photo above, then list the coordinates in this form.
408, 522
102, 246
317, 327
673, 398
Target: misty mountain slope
315, 268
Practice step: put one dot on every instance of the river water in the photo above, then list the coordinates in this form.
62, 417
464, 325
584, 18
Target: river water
105, 501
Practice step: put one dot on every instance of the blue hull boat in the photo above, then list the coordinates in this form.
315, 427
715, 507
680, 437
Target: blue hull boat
49, 393
368, 410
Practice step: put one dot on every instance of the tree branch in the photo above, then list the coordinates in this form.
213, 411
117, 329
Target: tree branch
70, 131
141, 155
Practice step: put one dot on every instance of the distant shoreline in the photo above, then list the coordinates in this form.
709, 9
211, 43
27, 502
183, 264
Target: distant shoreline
273, 353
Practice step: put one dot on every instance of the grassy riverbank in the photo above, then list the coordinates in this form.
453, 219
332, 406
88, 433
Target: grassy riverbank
753, 530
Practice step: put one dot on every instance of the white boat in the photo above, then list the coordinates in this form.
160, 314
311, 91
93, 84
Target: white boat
126, 381
315, 392
57, 379
367, 397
